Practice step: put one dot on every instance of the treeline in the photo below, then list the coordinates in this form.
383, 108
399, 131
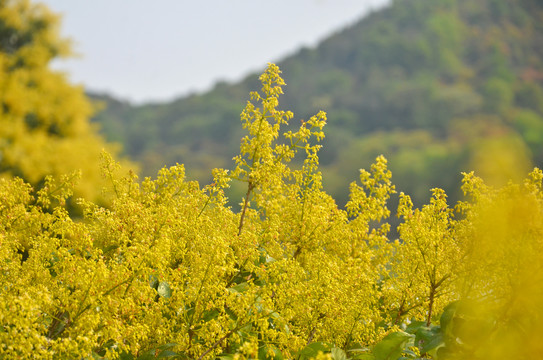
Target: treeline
438, 87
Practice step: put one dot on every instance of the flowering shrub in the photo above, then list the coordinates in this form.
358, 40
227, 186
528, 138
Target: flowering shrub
169, 270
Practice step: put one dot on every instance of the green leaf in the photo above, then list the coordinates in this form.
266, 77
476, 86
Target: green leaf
110, 248
424, 333
149, 354
359, 352
210, 315
153, 281
58, 324
364, 357
167, 346
230, 313
226, 357
312, 350
430, 337
164, 290
94, 356
161, 352
263, 353
126, 356
392, 346
338, 354
167, 354
239, 288
414, 326
466, 324
447, 316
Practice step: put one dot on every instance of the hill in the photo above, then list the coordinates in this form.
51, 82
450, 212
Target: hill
438, 87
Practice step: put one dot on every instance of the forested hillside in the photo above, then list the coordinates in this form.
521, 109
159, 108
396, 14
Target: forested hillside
438, 87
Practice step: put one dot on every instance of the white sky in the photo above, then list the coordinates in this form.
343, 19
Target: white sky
142, 50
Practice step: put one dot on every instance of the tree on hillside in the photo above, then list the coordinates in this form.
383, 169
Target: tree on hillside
44, 120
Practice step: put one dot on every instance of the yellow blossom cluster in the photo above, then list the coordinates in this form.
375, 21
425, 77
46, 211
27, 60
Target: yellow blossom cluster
168, 269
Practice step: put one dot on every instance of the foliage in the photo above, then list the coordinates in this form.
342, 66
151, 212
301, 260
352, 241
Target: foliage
169, 270
44, 120
426, 83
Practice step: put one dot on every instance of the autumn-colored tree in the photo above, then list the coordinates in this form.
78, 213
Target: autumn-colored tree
44, 120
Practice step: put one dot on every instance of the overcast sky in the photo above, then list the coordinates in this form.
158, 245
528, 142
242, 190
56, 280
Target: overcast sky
141, 50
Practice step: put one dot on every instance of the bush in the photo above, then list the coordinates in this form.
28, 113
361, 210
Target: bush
169, 270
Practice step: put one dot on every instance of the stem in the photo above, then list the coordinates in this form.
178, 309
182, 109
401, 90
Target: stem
253, 157
135, 273
217, 343
80, 310
292, 146
228, 334
251, 185
349, 337
116, 286
431, 305
311, 336
205, 205
400, 312
62, 184
297, 252
113, 183
314, 330
304, 198
198, 296
231, 281
245, 205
